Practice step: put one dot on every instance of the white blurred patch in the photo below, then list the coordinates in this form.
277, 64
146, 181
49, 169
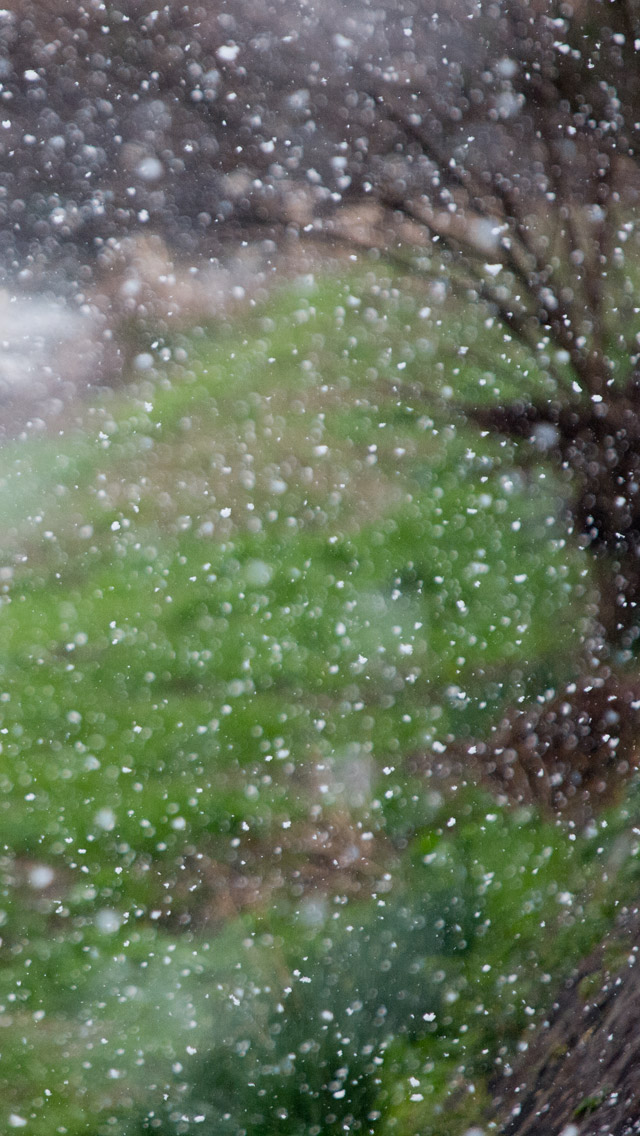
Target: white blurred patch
40, 876
150, 168
105, 819
108, 921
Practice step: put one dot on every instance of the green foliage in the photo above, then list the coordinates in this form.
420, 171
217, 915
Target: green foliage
232, 608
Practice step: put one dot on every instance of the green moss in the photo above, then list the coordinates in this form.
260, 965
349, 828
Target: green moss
590, 1104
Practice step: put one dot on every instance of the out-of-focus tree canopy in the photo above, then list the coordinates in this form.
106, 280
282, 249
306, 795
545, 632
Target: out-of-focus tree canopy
184, 117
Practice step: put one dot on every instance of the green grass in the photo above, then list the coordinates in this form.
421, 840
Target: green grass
232, 607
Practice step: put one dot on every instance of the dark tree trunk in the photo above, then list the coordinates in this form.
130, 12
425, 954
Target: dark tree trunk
581, 1073
599, 444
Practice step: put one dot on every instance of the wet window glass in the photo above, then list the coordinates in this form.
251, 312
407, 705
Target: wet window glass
319, 567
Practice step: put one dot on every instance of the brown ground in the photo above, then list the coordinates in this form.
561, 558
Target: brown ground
570, 754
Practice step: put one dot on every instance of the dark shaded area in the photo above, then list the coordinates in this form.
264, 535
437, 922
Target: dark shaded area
600, 448
571, 754
580, 1074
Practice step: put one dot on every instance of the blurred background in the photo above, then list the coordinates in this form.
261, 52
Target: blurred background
318, 569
